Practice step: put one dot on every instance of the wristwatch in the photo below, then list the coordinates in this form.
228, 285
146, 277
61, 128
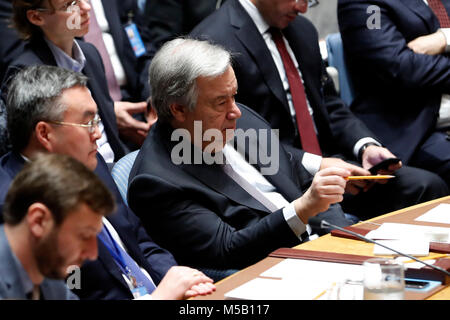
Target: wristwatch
363, 148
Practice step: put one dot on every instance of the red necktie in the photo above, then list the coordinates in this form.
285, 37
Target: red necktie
95, 37
440, 12
308, 136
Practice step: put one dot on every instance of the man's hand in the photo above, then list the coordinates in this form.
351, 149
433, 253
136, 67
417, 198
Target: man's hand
374, 154
182, 283
431, 44
327, 187
134, 130
354, 186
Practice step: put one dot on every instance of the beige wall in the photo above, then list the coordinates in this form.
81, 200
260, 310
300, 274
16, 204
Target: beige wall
324, 17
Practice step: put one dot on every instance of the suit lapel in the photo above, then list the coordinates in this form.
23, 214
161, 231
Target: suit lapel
43, 51
424, 12
9, 274
245, 32
215, 178
212, 175
13, 164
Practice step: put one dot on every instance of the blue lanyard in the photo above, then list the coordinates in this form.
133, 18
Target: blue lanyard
117, 255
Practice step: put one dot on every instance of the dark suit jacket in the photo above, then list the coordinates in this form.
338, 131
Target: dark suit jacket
260, 86
200, 214
169, 19
136, 69
12, 45
102, 278
37, 52
11, 284
398, 92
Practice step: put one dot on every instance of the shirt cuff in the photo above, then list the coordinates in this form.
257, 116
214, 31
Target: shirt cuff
362, 142
446, 32
311, 162
294, 222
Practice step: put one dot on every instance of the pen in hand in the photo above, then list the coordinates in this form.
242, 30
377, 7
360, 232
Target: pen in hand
374, 177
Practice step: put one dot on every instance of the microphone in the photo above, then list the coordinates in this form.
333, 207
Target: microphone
326, 224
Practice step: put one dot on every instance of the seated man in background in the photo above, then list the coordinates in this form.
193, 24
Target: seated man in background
397, 53
282, 76
113, 24
50, 109
206, 213
53, 213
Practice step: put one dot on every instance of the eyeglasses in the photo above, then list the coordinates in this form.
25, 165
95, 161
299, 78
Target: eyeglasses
65, 7
91, 125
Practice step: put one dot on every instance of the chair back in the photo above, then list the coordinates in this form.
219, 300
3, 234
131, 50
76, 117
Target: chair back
336, 59
121, 171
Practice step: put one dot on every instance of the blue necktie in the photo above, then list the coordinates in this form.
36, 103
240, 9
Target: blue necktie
124, 260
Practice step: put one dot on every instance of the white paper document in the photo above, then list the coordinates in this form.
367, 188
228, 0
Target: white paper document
297, 279
274, 289
439, 214
418, 248
401, 231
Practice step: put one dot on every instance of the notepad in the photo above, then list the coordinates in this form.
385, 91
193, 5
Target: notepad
273, 289
399, 231
413, 247
296, 279
439, 214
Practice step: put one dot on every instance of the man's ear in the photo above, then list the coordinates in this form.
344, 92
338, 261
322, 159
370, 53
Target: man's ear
178, 111
45, 135
39, 219
35, 17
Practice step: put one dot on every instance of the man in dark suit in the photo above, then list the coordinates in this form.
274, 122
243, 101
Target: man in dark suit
206, 212
129, 64
397, 55
50, 109
268, 38
53, 213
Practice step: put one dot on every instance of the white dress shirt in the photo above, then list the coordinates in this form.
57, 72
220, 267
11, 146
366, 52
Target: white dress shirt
256, 179
310, 161
119, 242
119, 72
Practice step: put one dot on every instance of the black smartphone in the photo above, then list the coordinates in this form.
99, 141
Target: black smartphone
416, 284
383, 165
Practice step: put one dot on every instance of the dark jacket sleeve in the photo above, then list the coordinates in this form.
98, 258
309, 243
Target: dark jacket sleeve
384, 51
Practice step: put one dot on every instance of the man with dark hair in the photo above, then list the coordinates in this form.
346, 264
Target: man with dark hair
282, 77
50, 109
53, 213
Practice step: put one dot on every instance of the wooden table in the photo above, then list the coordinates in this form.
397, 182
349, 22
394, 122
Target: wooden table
329, 243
